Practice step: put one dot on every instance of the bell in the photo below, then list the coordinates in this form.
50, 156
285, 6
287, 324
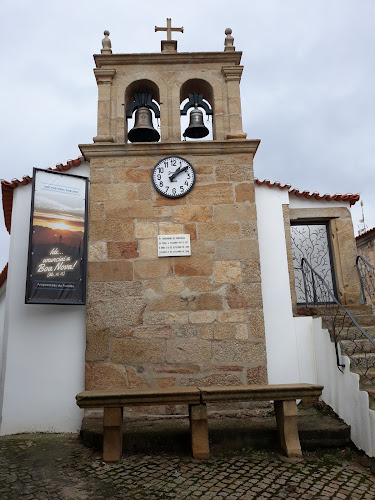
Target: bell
143, 130
196, 128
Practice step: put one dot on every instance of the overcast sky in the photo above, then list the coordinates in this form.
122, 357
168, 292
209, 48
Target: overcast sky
307, 88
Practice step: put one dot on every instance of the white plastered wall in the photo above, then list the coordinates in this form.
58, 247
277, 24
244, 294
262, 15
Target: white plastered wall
298, 349
289, 342
43, 345
300, 202
2, 320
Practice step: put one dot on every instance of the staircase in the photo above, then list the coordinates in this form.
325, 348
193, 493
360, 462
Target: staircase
352, 342
343, 333
359, 349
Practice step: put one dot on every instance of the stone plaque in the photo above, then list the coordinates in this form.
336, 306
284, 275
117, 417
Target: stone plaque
174, 245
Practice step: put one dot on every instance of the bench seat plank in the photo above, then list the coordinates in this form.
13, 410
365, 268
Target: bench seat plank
143, 397
279, 392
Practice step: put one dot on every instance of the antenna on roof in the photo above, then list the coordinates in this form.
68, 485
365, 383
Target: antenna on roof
363, 228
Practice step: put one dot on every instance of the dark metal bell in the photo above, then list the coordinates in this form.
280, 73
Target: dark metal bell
196, 128
143, 130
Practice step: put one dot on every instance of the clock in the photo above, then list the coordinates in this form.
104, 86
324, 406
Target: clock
173, 177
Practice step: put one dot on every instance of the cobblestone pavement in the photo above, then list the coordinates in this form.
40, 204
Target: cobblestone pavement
37, 466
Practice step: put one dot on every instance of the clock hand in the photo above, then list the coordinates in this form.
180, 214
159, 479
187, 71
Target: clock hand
178, 171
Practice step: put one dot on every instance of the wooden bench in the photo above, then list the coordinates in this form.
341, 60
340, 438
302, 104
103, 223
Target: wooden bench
284, 397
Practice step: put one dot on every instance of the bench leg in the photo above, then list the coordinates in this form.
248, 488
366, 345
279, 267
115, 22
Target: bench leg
112, 434
199, 431
286, 418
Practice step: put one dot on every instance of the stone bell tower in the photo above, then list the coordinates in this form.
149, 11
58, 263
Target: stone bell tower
159, 316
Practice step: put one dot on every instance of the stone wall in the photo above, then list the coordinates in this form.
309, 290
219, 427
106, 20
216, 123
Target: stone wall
366, 246
161, 322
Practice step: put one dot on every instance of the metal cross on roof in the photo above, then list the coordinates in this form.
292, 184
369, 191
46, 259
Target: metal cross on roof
169, 29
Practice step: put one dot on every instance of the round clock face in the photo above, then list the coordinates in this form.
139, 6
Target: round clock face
173, 177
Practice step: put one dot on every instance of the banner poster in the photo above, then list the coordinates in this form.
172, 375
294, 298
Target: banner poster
57, 245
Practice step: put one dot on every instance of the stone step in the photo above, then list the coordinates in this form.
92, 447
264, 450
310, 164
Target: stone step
363, 361
358, 307
366, 377
320, 310
364, 320
352, 333
350, 347
226, 432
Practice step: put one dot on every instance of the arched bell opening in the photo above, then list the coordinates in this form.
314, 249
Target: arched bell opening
142, 112
196, 110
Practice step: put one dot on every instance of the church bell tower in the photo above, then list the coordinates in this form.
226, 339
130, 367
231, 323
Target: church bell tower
174, 287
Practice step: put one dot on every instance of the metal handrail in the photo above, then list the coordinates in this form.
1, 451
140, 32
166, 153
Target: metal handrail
366, 273
338, 324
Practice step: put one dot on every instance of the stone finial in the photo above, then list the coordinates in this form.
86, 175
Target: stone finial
229, 40
106, 43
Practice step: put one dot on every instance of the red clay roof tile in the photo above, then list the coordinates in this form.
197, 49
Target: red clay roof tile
351, 198
366, 233
8, 187
4, 275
